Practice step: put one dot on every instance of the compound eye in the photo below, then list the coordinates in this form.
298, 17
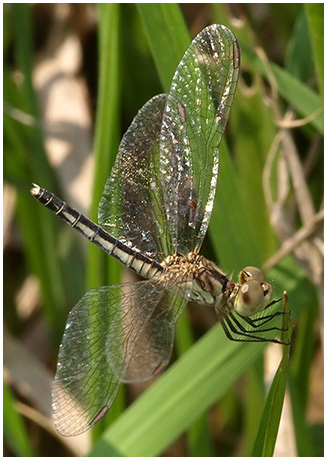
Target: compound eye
252, 273
250, 298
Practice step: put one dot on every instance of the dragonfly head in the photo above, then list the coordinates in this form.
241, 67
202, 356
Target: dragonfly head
254, 293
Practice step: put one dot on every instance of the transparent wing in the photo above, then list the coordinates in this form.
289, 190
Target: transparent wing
194, 120
132, 206
159, 196
84, 386
115, 333
142, 330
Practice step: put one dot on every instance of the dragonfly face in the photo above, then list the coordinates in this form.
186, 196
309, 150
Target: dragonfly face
153, 216
254, 293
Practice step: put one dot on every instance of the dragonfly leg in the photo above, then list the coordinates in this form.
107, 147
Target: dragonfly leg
273, 303
258, 322
242, 335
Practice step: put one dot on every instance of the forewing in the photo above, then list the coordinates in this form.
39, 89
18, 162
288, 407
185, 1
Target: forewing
160, 194
194, 120
115, 333
132, 207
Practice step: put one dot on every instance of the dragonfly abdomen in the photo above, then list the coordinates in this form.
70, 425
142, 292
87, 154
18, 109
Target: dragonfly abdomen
138, 262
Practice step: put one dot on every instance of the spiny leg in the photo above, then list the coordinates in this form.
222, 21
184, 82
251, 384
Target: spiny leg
245, 336
263, 320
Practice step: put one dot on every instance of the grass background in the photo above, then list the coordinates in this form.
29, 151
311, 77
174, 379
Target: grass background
211, 401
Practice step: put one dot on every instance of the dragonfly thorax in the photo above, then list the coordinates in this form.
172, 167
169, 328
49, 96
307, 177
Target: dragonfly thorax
206, 281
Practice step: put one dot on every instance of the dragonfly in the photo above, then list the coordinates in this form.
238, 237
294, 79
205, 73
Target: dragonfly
153, 216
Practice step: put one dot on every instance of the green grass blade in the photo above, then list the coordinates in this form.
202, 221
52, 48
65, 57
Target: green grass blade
167, 35
298, 59
268, 430
315, 15
303, 355
14, 430
200, 441
108, 104
101, 269
255, 396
